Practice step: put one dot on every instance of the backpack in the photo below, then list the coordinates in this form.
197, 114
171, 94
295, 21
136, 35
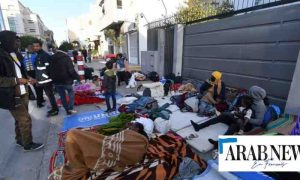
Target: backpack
167, 87
153, 76
147, 92
273, 112
178, 80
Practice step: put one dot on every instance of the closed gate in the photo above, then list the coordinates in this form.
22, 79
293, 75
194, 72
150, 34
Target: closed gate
169, 45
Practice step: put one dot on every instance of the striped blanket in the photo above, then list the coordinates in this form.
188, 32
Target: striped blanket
162, 160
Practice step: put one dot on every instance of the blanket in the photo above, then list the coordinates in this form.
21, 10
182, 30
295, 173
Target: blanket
88, 151
162, 160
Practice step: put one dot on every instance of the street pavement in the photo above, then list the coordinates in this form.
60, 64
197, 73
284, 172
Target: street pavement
15, 164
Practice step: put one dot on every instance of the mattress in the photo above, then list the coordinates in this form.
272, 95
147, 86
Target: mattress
180, 120
201, 143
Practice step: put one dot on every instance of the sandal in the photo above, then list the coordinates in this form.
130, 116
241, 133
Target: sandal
191, 136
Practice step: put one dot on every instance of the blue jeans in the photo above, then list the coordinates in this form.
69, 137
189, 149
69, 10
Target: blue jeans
61, 89
107, 99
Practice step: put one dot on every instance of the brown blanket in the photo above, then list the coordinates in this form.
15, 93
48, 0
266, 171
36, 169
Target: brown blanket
162, 161
88, 151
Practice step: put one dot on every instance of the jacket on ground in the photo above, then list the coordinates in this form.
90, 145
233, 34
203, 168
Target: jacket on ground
42, 68
109, 82
61, 69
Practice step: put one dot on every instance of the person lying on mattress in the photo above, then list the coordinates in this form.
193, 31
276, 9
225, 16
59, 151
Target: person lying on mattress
258, 107
89, 151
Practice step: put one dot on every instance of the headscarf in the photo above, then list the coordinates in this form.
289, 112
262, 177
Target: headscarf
217, 75
7, 41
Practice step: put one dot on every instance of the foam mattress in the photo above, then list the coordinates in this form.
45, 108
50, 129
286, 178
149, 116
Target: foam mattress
201, 143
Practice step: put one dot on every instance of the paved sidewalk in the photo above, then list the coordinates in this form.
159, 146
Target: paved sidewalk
15, 164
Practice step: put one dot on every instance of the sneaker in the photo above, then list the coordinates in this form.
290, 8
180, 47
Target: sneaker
33, 147
20, 144
52, 113
73, 111
70, 112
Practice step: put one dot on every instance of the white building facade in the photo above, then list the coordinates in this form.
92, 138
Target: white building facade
130, 17
20, 19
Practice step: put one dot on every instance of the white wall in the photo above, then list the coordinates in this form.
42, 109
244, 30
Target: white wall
10, 8
152, 10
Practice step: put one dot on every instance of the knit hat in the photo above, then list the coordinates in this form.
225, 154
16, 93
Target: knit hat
217, 75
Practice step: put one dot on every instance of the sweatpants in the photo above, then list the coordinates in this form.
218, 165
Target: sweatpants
23, 122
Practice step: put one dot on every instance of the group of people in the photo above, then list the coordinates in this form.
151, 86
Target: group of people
248, 114
33, 74
87, 55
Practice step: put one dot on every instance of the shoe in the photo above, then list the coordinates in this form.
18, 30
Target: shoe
20, 144
70, 112
33, 146
213, 142
52, 113
195, 126
73, 111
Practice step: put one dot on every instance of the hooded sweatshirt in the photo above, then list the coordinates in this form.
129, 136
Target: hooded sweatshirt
109, 81
61, 69
258, 94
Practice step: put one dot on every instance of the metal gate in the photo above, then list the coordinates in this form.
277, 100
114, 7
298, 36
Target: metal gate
169, 46
133, 48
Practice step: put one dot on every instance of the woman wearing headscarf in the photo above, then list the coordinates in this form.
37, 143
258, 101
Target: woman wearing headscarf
218, 86
14, 78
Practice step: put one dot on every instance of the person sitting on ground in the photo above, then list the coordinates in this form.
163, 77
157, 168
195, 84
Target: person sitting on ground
90, 151
109, 84
236, 120
207, 101
258, 107
218, 87
259, 96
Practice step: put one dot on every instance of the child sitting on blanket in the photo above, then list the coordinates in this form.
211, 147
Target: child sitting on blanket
207, 102
109, 85
243, 113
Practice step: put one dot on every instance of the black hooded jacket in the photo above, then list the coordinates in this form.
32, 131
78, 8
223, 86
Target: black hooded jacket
61, 69
7, 67
8, 75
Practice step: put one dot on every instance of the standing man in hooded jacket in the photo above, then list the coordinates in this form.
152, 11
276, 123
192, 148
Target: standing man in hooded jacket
13, 90
43, 77
63, 75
